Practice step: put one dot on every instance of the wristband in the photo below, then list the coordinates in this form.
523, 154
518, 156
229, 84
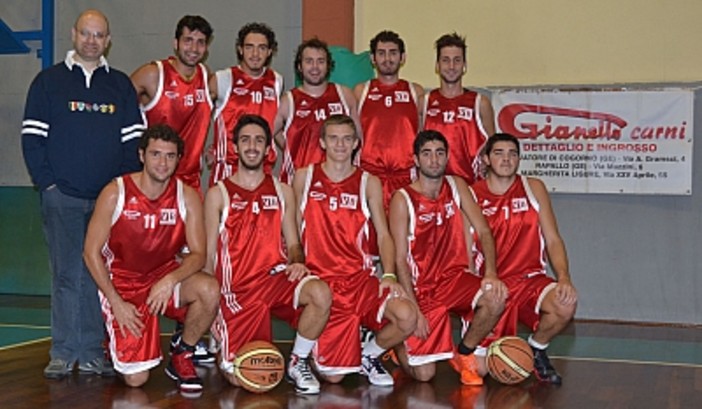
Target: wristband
389, 275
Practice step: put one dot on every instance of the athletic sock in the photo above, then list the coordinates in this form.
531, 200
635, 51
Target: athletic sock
536, 344
464, 350
302, 346
372, 349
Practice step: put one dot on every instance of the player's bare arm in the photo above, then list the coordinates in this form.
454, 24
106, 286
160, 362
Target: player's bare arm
214, 205
555, 247
194, 261
487, 115
358, 93
298, 185
296, 269
280, 118
419, 93
351, 99
399, 229
126, 314
145, 80
386, 245
490, 283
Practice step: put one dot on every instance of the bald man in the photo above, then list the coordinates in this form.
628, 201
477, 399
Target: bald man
81, 128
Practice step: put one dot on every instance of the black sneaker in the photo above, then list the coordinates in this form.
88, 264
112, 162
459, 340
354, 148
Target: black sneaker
202, 354
544, 371
182, 370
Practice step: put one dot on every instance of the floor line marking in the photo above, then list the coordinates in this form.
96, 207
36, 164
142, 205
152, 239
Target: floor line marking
25, 343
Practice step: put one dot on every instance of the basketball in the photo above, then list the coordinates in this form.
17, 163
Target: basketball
510, 360
259, 366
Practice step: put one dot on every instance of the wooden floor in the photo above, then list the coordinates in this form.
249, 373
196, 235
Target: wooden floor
605, 365
589, 382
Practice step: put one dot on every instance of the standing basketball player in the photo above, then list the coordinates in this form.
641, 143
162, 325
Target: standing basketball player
140, 278
251, 87
250, 217
389, 113
337, 202
463, 116
304, 109
175, 92
520, 215
432, 264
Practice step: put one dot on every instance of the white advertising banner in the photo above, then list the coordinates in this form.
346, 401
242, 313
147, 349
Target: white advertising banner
612, 141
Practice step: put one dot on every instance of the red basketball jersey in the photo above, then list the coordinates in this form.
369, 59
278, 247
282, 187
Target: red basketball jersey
335, 220
389, 119
146, 234
436, 241
458, 119
186, 107
250, 244
514, 221
304, 126
242, 94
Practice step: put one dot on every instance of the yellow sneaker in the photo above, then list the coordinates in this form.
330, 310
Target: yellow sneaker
467, 366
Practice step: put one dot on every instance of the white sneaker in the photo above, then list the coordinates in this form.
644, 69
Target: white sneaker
300, 375
376, 373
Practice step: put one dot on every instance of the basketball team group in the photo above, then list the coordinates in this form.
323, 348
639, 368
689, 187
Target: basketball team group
391, 210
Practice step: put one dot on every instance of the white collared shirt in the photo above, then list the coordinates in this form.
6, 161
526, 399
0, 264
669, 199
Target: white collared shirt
70, 61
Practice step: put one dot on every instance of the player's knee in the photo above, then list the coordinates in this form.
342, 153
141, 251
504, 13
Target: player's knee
209, 291
493, 305
565, 312
136, 380
334, 379
231, 378
318, 294
424, 373
404, 314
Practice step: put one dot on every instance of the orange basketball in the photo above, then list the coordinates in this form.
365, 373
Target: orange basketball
510, 360
259, 366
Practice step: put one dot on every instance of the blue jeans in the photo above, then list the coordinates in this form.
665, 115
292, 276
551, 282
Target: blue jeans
77, 328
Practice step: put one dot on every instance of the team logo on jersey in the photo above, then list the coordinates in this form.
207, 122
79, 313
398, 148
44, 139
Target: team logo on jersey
519, 205
318, 184
374, 97
132, 200
402, 96
268, 93
318, 196
131, 214
435, 103
335, 108
200, 95
426, 217
304, 103
269, 202
239, 205
168, 217
239, 82
465, 113
489, 211
349, 201
240, 91
171, 94
174, 83
302, 113
433, 112
374, 89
